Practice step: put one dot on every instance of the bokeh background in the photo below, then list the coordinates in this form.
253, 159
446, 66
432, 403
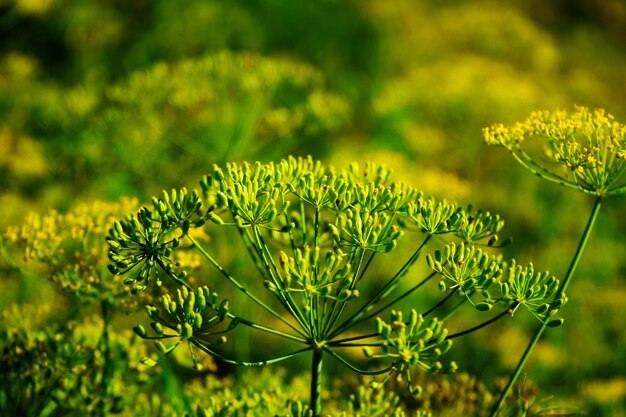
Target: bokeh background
101, 99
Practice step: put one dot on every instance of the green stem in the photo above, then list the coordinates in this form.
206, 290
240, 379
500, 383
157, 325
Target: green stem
272, 270
547, 174
357, 317
454, 310
350, 339
242, 288
200, 345
617, 191
357, 370
440, 303
333, 319
562, 288
508, 311
316, 381
266, 329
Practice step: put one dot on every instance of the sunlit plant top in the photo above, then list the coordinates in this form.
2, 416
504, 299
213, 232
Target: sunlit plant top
585, 149
236, 95
312, 232
69, 250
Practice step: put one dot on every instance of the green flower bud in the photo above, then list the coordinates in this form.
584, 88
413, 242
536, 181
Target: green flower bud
415, 390
140, 331
344, 294
558, 303
271, 286
483, 306
375, 385
153, 311
114, 243
187, 331
198, 222
157, 327
137, 289
542, 309
504, 289
555, 322
147, 361
197, 322
430, 261
189, 304
215, 218
335, 233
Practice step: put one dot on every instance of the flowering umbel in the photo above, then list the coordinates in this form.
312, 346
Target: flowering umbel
311, 232
585, 149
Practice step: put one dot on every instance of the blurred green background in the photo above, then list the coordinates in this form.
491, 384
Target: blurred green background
108, 98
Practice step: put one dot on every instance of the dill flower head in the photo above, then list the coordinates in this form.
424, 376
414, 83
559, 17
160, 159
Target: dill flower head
584, 149
69, 249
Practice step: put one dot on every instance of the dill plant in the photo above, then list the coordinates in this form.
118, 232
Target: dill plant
583, 150
172, 112
312, 232
159, 117
70, 366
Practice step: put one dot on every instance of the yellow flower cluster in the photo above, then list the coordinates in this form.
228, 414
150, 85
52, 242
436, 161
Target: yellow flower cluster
589, 144
70, 249
500, 135
280, 96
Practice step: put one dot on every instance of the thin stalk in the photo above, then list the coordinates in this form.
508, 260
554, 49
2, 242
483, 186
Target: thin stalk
316, 381
303, 221
316, 322
332, 320
272, 270
549, 175
486, 323
440, 303
348, 324
266, 329
562, 288
170, 274
350, 339
199, 344
242, 288
358, 344
453, 310
367, 265
617, 191
384, 292
355, 369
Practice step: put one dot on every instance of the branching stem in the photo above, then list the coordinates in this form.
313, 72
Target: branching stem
384, 292
242, 288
